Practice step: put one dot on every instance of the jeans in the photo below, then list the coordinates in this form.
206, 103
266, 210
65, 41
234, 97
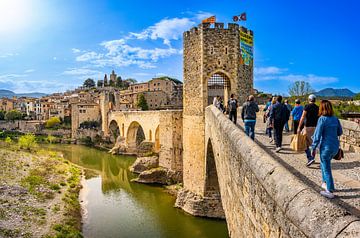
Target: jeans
268, 132
250, 129
308, 154
278, 130
287, 126
295, 126
232, 116
326, 155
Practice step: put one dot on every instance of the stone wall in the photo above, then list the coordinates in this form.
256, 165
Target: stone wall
22, 125
81, 112
263, 199
350, 140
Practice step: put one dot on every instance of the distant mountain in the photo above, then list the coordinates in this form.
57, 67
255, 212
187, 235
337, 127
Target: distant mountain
332, 92
10, 94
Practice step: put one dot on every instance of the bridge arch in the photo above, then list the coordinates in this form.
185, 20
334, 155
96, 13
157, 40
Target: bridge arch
114, 130
212, 188
135, 135
218, 84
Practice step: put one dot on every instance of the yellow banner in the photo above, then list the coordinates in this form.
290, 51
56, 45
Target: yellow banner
246, 38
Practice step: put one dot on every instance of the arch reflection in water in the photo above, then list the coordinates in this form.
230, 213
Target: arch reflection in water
118, 208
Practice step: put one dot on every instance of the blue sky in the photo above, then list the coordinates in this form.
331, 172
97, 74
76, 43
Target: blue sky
52, 46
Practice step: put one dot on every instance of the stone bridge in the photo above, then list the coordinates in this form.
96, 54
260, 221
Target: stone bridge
260, 197
161, 129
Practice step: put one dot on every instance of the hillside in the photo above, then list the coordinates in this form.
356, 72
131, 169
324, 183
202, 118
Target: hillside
332, 92
10, 94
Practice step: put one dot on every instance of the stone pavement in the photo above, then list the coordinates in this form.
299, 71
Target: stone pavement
346, 172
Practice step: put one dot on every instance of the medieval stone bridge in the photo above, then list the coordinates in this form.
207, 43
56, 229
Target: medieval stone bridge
224, 173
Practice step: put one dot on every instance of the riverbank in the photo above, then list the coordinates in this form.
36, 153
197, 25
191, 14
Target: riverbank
38, 195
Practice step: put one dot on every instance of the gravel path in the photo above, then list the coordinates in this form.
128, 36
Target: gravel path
346, 172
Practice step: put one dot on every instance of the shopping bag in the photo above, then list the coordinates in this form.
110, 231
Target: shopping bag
298, 142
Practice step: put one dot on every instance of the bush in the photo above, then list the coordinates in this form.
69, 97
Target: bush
50, 139
13, 115
52, 122
27, 141
8, 140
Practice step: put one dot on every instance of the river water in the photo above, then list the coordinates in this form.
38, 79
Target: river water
115, 207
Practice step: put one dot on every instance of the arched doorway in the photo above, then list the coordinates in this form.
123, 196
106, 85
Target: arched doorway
114, 131
218, 85
135, 135
211, 181
157, 140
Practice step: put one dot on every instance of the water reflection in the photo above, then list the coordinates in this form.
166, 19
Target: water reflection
118, 208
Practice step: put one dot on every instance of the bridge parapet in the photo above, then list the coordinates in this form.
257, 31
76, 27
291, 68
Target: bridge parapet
263, 199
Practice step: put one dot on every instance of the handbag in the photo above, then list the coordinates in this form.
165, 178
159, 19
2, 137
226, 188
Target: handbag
298, 142
339, 155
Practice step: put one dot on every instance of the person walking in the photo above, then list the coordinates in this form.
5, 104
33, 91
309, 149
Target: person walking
289, 107
216, 101
309, 118
248, 115
221, 105
326, 134
279, 114
296, 115
269, 123
232, 105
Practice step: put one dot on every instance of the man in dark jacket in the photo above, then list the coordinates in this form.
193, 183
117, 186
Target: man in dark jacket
279, 114
248, 115
232, 106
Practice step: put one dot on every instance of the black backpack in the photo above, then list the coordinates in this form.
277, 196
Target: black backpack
232, 104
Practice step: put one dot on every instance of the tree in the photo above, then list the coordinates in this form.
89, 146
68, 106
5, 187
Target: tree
131, 80
141, 102
99, 83
52, 122
13, 115
2, 115
119, 82
89, 83
300, 88
27, 141
357, 96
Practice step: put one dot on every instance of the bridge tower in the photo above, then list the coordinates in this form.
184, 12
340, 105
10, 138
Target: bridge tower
214, 64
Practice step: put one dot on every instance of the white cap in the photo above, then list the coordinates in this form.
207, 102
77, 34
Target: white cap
312, 97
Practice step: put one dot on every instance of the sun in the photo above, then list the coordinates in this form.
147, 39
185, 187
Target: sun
14, 15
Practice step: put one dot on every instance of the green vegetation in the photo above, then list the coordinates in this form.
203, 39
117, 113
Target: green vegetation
27, 141
357, 96
89, 124
53, 122
89, 83
2, 115
50, 139
141, 102
8, 141
13, 115
345, 108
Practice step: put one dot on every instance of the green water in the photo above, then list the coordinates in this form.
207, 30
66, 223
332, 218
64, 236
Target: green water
116, 207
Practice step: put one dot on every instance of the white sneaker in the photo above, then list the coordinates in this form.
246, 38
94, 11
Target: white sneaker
323, 185
327, 194
278, 149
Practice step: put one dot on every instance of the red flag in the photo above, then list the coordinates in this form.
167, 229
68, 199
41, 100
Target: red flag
211, 19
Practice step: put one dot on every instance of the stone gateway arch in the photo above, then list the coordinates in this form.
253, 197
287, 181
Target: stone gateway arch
212, 66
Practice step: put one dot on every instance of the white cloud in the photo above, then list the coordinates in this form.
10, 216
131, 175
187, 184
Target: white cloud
311, 78
6, 77
89, 56
166, 29
83, 73
203, 15
75, 50
29, 71
6, 55
54, 58
268, 70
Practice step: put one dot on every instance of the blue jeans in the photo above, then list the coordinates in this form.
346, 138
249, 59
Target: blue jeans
250, 129
308, 154
325, 163
287, 126
268, 132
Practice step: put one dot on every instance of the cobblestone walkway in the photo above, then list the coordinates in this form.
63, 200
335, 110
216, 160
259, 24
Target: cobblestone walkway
346, 172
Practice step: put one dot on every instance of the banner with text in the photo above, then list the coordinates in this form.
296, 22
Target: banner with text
246, 46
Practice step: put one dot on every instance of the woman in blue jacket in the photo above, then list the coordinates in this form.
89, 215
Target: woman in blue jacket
326, 135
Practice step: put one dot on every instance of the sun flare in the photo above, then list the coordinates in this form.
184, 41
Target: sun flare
14, 15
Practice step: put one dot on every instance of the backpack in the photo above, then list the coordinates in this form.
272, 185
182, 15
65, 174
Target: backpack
232, 104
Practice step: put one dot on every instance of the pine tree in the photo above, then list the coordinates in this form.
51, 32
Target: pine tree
141, 102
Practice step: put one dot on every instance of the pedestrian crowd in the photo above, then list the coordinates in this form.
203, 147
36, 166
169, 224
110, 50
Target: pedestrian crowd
316, 123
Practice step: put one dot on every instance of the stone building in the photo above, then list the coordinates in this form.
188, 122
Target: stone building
212, 60
81, 112
6, 104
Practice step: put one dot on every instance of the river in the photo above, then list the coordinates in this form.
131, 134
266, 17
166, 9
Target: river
115, 207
